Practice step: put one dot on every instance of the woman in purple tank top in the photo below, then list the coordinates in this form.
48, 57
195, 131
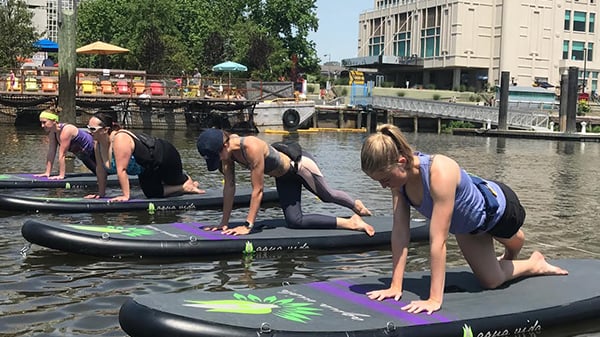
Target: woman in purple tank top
65, 138
437, 188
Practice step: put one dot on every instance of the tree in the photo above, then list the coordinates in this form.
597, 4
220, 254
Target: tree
17, 33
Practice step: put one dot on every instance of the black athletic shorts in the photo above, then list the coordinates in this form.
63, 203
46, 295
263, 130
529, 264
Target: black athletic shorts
513, 217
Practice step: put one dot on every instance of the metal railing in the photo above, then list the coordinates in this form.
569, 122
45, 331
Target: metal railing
467, 112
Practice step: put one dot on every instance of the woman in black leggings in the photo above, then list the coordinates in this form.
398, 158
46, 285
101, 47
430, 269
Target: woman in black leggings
221, 150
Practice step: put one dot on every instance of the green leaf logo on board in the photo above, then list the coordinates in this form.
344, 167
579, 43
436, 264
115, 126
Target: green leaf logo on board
467, 332
127, 231
254, 305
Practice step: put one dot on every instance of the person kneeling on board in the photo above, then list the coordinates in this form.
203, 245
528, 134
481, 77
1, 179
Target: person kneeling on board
65, 138
476, 211
155, 161
221, 150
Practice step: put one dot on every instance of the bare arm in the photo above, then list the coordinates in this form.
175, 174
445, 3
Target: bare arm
100, 174
52, 146
255, 154
400, 240
228, 191
444, 179
67, 134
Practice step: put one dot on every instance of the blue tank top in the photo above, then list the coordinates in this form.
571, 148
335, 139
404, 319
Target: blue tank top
469, 205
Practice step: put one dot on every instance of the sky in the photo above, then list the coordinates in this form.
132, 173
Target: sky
338, 28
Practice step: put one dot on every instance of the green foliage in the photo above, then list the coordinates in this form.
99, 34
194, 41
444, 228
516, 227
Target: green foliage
447, 128
17, 33
583, 107
401, 93
436, 97
168, 36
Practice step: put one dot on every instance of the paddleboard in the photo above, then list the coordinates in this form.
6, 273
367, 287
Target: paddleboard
211, 199
190, 239
340, 308
71, 180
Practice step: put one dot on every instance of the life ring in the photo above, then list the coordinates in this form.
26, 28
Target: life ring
291, 119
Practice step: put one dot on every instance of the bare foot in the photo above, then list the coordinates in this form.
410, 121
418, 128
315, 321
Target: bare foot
190, 186
360, 225
360, 209
542, 267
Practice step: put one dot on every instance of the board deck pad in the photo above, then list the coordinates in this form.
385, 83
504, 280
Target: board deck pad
213, 198
190, 239
71, 180
341, 308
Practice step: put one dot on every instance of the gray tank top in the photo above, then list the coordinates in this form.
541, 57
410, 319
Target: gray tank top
272, 160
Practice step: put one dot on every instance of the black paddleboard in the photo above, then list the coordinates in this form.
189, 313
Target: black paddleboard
71, 180
190, 239
211, 199
340, 308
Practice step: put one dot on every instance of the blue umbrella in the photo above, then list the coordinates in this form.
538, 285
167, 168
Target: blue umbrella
46, 45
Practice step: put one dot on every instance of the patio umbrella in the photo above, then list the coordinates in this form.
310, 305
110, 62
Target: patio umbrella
101, 48
229, 66
46, 45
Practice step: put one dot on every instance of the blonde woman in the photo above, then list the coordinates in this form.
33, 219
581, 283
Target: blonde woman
476, 211
63, 137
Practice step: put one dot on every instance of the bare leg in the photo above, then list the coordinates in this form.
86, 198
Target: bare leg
479, 252
512, 246
188, 187
355, 223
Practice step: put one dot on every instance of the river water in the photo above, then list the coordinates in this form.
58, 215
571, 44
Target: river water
50, 293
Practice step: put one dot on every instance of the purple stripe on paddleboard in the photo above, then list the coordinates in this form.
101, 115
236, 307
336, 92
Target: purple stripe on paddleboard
364, 301
209, 235
391, 302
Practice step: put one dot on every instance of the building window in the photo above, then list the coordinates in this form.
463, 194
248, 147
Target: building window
565, 50
577, 52
579, 21
567, 20
403, 35
376, 45
591, 22
402, 44
430, 34
590, 51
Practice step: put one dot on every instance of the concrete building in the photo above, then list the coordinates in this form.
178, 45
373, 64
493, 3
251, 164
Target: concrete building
45, 15
452, 43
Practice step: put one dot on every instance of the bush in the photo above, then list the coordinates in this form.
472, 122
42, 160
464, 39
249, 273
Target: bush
447, 128
436, 97
401, 93
583, 107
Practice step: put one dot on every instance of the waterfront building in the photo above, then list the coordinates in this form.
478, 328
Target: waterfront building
449, 44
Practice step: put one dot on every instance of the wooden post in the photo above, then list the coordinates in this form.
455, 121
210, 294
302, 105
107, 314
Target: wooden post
369, 116
358, 119
503, 108
340, 118
439, 126
67, 59
416, 123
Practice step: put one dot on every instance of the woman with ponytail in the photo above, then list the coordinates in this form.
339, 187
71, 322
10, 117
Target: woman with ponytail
475, 210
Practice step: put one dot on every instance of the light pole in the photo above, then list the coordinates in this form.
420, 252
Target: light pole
328, 66
584, 70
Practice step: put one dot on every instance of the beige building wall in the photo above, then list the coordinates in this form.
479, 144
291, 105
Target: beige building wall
479, 39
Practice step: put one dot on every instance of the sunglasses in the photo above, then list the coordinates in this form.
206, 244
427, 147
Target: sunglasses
93, 129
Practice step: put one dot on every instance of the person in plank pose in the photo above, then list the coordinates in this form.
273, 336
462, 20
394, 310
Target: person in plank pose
476, 211
221, 150
64, 137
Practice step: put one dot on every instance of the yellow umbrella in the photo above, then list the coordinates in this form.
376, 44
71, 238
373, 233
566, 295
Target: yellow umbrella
101, 48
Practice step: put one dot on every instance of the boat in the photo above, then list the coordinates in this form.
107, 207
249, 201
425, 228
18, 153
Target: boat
283, 114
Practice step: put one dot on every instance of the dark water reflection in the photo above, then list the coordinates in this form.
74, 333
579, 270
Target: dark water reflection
49, 293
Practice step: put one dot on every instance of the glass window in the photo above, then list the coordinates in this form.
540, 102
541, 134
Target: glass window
567, 20
590, 51
579, 21
577, 53
565, 55
591, 22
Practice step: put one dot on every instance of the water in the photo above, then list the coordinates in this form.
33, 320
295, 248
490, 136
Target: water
50, 293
